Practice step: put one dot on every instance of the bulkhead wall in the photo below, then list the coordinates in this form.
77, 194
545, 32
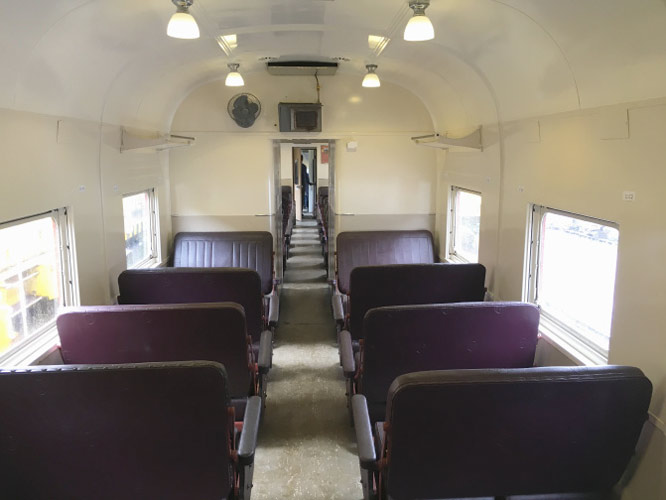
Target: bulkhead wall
230, 170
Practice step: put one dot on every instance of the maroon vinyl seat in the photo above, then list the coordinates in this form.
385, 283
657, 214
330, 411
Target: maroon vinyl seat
322, 218
179, 285
549, 433
150, 431
405, 339
232, 249
287, 220
376, 248
322, 194
168, 332
407, 284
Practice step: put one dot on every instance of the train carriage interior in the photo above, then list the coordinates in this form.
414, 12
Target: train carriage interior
296, 146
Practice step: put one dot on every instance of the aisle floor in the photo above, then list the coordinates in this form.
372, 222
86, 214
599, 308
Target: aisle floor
306, 448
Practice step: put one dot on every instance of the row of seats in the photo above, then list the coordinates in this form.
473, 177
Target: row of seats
131, 413
482, 425
288, 220
322, 219
444, 397
230, 249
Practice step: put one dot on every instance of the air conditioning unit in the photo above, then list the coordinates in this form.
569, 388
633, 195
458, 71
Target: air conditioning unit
299, 117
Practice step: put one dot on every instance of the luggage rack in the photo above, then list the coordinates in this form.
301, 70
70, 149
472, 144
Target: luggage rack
470, 142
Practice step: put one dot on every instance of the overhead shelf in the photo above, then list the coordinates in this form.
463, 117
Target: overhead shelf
471, 142
142, 144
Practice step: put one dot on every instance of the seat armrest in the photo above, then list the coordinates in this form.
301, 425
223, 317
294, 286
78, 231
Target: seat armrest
248, 438
364, 441
265, 360
273, 308
347, 354
338, 310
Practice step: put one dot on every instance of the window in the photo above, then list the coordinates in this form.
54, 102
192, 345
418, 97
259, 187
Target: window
572, 262
465, 224
35, 281
140, 215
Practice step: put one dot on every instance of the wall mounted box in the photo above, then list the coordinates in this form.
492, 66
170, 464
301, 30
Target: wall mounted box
299, 117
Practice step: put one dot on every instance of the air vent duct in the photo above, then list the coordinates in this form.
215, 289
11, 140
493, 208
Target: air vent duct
299, 117
301, 68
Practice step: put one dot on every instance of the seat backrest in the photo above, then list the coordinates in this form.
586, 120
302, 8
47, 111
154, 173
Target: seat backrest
376, 248
377, 286
160, 332
116, 431
479, 433
405, 339
248, 249
179, 285
287, 199
322, 192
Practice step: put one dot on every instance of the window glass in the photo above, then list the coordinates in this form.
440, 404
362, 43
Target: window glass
31, 288
466, 221
139, 228
575, 275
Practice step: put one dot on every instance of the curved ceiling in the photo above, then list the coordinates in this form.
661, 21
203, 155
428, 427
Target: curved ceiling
111, 61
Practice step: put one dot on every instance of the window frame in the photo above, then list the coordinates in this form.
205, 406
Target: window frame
453, 256
576, 344
154, 258
46, 338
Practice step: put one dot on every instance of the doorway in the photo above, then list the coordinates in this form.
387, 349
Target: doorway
304, 178
285, 177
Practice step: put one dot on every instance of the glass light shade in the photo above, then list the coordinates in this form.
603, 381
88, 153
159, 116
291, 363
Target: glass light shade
234, 79
419, 28
371, 80
183, 25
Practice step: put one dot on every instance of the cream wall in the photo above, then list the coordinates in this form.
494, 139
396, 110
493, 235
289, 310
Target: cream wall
127, 173
50, 162
223, 174
385, 175
582, 162
229, 170
480, 172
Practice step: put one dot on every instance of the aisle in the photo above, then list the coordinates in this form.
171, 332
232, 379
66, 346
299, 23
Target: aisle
306, 447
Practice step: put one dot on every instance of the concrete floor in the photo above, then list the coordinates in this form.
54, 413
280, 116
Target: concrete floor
306, 446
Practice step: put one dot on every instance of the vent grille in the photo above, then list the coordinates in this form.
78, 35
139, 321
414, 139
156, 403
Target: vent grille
300, 68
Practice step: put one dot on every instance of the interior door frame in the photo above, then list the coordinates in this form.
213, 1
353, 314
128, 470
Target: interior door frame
277, 197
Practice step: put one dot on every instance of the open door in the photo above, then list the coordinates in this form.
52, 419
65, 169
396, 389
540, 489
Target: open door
304, 161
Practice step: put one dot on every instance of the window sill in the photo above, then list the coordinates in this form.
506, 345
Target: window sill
455, 259
149, 264
570, 347
34, 351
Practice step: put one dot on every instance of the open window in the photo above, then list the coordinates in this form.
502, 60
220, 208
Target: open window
140, 216
571, 277
36, 281
465, 225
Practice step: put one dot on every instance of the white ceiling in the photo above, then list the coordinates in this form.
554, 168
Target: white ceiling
111, 60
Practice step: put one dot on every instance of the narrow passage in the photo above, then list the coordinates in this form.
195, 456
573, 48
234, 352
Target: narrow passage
306, 448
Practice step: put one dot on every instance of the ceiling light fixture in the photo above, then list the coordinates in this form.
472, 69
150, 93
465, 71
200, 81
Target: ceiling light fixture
419, 27
234, 78
371, 79
182, 24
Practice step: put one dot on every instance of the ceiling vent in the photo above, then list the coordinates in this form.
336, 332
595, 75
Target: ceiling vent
301, 68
